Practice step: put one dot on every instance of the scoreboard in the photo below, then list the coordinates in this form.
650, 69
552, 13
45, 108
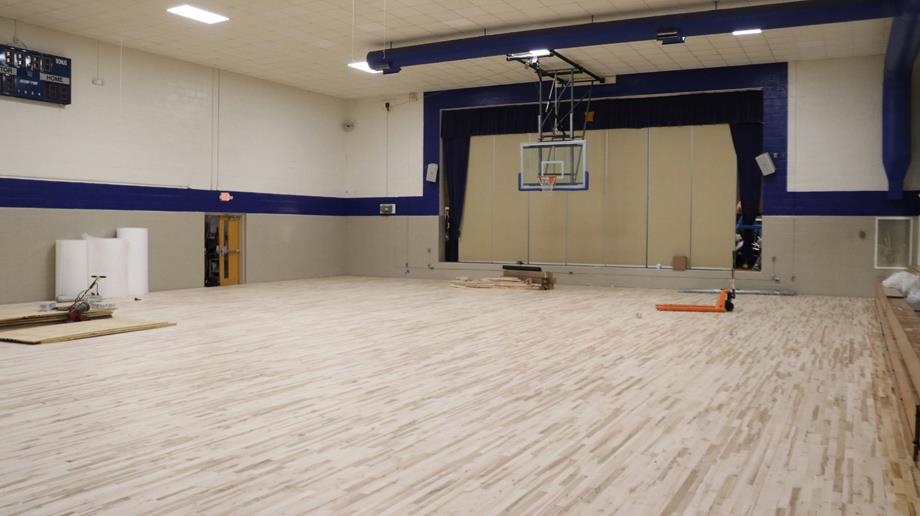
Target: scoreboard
31, 75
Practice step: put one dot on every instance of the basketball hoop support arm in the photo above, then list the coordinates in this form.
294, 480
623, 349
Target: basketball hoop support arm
562, 84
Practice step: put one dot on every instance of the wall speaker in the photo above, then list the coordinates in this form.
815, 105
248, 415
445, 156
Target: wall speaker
431, 173
765, 162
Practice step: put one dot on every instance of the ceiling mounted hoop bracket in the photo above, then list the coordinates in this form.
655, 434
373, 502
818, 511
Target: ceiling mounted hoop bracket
558, 103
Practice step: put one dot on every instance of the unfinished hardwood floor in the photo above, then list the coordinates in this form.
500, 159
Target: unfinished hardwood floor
355, 395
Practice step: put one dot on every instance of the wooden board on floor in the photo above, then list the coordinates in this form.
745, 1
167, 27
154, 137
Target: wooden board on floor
546, 280
22, 317
74, 331
504, 282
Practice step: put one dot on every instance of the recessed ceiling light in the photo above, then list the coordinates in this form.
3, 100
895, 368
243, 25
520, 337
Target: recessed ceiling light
746, 32
363, 66
197, 14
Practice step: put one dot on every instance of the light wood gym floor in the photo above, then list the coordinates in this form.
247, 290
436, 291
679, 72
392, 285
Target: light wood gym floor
356, 395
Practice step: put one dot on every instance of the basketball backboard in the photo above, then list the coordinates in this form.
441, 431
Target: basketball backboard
563, 160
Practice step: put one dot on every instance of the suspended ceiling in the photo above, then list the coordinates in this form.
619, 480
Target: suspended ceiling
307, 43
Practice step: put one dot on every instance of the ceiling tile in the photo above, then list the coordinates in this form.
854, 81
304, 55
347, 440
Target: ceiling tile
307, 43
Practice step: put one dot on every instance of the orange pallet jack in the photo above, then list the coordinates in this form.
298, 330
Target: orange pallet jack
725, 303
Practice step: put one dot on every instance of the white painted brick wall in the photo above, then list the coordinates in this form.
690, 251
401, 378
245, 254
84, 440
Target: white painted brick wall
156, 121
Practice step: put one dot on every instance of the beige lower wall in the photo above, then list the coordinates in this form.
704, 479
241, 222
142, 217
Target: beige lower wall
392, 246
28, 235
276, 247
811, 255
287, 247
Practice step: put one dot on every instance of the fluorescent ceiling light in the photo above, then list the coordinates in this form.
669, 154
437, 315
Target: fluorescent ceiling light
746, 32
197, 14
363, 66
540, 52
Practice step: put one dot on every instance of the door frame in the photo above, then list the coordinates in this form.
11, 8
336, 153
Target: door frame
243, 253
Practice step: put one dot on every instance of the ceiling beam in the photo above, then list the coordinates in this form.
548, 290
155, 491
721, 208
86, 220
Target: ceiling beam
700, 23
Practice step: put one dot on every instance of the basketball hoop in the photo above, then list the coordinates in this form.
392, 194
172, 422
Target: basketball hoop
547, 183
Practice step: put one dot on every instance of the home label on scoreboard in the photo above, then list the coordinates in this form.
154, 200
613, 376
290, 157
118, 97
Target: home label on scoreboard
31, 75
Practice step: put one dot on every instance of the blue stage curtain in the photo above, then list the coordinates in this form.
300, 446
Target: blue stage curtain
456, 161
742, 109
748, 141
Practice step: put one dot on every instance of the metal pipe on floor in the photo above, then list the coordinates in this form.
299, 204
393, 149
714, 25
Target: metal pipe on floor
750, 292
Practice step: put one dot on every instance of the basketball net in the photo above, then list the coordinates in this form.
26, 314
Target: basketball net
547, 183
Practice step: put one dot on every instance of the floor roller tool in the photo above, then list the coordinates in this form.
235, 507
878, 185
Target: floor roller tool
77, 311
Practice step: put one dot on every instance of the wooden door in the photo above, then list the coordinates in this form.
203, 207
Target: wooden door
229, 238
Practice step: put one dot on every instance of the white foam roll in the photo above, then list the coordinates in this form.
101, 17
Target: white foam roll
109, 257
137, 259
70, 269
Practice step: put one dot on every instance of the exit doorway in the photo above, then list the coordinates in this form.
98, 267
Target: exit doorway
223, 250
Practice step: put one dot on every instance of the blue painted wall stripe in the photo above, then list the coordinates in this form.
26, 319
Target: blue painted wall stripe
24, 193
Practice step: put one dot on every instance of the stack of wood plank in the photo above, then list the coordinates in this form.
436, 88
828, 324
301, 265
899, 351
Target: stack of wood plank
17, 317
74, 331
505, 283
25, 326
901, 335
546, 280
512, 279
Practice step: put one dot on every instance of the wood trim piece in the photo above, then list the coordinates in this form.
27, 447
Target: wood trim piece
897, 346
16, 318
908, 355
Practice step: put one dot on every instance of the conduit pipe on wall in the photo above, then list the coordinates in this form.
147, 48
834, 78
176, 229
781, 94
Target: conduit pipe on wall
903, 44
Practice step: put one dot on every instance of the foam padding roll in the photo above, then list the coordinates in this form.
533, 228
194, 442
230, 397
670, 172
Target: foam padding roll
71, 269
138, 278
109, 257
